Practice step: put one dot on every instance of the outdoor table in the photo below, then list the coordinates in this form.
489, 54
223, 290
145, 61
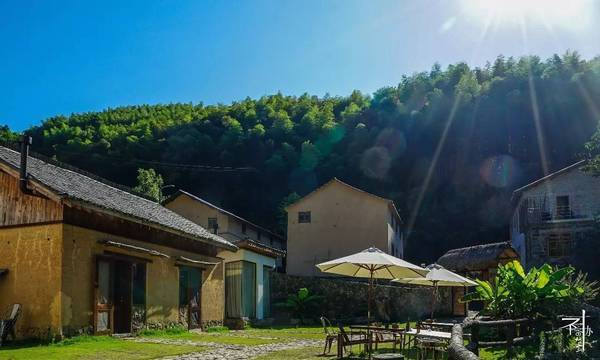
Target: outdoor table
388, 356
430, 334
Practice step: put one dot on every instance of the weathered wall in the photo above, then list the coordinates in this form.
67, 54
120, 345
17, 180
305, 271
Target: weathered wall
585, 254
343, 221
197, 212
162, 280
584, 201
346, 300
33, 255
213, 295
230, 227
17, 208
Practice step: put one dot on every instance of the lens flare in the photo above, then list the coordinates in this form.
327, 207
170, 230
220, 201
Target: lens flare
500, 171
572, 14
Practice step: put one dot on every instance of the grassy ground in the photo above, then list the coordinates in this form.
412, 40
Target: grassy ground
93, 347
251, 336
103, 347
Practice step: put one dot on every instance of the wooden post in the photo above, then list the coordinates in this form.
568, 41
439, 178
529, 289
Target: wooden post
475, 337
510, 335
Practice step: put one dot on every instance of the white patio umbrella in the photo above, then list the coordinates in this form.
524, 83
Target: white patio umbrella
372, 263
438, 276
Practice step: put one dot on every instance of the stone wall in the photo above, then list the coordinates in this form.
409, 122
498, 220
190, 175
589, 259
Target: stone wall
585, 250
346, 300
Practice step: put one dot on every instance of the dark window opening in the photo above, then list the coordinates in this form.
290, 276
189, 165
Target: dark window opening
563, 208
243, 228
560, 245
213, 225
304, 217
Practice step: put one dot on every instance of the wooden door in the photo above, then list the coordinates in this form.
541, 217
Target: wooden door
190, 283
122, 297
103, 295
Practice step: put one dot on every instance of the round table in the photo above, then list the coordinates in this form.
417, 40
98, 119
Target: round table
388, 356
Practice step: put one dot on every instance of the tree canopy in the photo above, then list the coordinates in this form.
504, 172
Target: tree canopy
447, 145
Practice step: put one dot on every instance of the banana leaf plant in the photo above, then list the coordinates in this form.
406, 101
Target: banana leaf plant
299, 305
515, 293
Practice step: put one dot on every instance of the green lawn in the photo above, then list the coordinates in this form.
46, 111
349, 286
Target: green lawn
104, 347
253, 336
90, 347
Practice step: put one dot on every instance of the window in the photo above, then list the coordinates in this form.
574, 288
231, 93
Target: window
243, 228
563, 208
139, 285
240, 289
560, 245
267, 291
213, 225
393, 250
304, 217
258, 235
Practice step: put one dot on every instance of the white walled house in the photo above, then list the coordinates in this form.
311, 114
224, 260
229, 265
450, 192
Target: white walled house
247, 270
554, 218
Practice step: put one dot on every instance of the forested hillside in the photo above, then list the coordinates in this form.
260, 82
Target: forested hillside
447, 145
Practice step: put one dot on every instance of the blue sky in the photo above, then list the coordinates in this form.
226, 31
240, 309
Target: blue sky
62, 57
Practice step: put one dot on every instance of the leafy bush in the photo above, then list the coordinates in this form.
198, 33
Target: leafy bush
301, 304
217, 329
515, 294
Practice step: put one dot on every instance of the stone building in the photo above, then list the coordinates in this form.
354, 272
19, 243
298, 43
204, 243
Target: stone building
82, 255
554, 219
247, 271
336, 220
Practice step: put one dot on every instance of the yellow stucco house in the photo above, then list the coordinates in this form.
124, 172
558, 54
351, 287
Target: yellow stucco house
247, 285
336, 220
84, 256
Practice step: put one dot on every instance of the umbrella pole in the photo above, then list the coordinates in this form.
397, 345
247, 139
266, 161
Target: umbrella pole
433, 300
369, 312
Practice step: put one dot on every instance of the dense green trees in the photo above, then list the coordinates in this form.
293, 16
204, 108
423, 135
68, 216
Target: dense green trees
448, 145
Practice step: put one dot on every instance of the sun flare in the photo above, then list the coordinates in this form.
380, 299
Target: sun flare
572, 14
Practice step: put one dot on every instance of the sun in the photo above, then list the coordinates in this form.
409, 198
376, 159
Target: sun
570, 14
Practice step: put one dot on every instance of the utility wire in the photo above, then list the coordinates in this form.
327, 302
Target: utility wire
196, 167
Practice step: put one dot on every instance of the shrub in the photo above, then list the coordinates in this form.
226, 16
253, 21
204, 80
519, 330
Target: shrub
301, 304
537, 293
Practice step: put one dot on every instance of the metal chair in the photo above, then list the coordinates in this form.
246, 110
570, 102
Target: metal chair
331, 334
7, 323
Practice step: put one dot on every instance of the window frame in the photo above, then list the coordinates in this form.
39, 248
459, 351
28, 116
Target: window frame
304, 217
560, 245
214, 229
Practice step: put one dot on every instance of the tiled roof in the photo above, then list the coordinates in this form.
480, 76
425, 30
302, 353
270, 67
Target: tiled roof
94, 193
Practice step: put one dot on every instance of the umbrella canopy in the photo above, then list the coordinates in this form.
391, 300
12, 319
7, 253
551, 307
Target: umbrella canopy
372, 263
438, 276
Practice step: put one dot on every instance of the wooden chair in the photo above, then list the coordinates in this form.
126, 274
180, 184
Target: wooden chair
430, 346
7, 323
396, 338
349, 338
330, 334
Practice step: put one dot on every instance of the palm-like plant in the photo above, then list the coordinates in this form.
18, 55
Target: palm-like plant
515, 293
300, 304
